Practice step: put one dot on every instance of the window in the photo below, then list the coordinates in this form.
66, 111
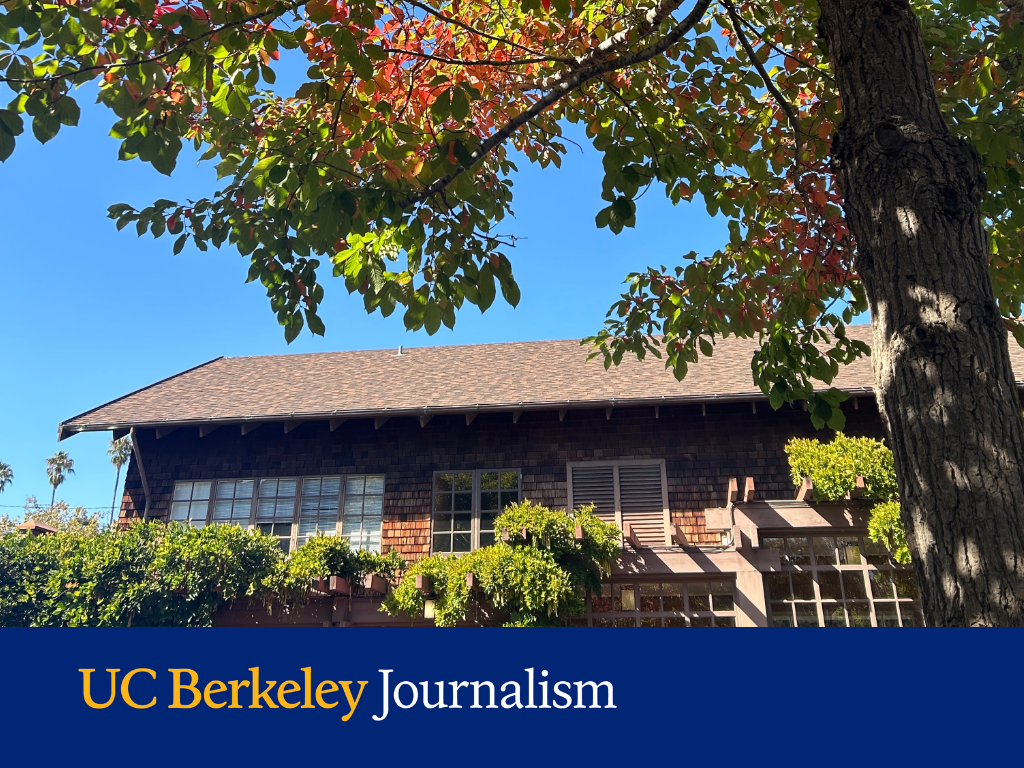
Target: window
191, 503
275, 510
839, 581
664, 604
364, 510
634, 492
233, 503
319, 509
466, 505
292, 509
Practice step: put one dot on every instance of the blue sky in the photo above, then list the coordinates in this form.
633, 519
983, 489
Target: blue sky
90, 313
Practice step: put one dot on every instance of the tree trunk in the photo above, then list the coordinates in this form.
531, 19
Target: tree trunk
945, 388
117, 481
53, 496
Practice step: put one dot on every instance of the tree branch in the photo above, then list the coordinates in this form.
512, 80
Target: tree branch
769, 84
652, 19
156, 57
561, 89
455, 22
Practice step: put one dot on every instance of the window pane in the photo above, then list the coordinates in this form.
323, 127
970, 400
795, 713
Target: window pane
442, 543
828, 583
463, 522
509, 480
912, 615
489, 481
649, 621
509, 497
375, 485
650, 599
443, 483
460, 542
774, 542
243, 489
268, 488
463, 502
182, 491
442, 502
797, 551
354, 485
201, 491
700, 600
807, 615
885, 615
782, 615
803, 586
853, 582
824, 551
179, 509
310, 486
860, 616
778, 586
721, 595
486, 538
834, 615
849, 551
602, 603
489, 500
672, 597
675, 621
725, 621
624, 598
442, 522
875, 552
463, 481
222, 509
881, 584
330, 486
906, 584
701, 621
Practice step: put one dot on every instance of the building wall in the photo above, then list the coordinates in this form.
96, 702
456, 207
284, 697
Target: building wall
701, 452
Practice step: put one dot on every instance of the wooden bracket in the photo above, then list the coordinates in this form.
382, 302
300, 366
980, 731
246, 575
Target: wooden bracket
425, 419
608, 414
374, 583
290, 425
249, 426
857, 492
580, 533
471, 582
164, 431
423, 584
380, 421
803, 493
732, 490
515, 416
470, 417
748, 489
561, 413
678, 536
335, 423
630, 535
339, 586
206, 429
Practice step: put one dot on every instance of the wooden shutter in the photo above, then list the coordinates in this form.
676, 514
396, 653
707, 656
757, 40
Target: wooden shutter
595, 485
642, 502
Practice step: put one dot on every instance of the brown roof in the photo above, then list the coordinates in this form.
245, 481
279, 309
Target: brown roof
429, 380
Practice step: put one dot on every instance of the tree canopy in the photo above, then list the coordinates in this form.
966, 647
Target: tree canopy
391, 165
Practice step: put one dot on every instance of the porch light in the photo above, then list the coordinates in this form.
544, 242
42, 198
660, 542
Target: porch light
428, 609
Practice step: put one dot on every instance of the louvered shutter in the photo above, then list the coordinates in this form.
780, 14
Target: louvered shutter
595, 485
641, 501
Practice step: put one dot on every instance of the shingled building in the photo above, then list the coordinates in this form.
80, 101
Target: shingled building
418, 449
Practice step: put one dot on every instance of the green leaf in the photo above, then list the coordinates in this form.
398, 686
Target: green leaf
460, 104
45, 126
68, 110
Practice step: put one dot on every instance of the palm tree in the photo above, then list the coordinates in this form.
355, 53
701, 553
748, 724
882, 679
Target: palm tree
6, 476
58, 467
119, 453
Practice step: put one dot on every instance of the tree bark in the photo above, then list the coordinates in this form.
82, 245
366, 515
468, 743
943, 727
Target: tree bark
912, 193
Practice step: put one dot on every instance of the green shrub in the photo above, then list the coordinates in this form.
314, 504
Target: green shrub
539, 577
324, 556
886, 527
833, 467
151, 574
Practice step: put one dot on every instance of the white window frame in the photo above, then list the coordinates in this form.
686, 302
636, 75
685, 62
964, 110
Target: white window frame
615, 464
251, 521
475, 512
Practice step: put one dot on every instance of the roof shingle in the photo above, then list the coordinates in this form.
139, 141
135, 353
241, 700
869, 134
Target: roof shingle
481, 377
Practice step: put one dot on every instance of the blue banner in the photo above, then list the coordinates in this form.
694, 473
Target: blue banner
530, 697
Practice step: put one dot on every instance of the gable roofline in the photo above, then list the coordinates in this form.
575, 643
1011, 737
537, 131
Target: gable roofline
521, 407
64, 432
